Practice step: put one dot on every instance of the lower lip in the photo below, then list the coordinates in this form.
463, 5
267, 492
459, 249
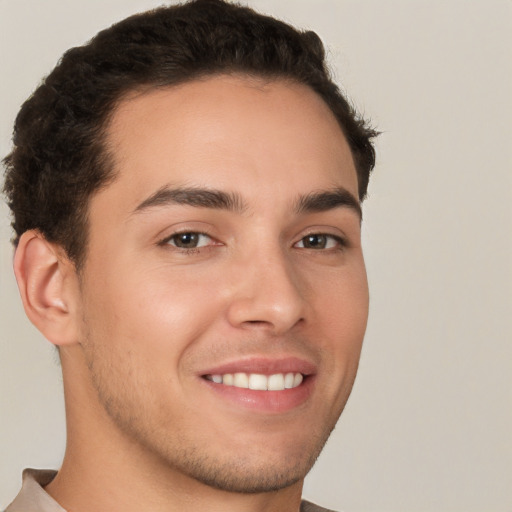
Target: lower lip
265, 401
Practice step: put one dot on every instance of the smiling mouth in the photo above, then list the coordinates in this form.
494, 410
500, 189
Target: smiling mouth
257, 381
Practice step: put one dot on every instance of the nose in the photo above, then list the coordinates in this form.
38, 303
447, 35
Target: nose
267, 294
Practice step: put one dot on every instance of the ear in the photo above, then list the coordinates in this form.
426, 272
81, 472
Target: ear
48, 285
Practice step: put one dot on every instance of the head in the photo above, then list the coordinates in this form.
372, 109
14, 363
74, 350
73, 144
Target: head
197, 177
60, 156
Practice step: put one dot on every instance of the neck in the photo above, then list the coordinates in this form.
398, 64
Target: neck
105, 470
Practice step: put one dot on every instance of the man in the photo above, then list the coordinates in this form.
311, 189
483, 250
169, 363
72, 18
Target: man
186, 195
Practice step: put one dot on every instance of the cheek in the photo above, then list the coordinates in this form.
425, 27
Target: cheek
342, 319
344, 303
161, 309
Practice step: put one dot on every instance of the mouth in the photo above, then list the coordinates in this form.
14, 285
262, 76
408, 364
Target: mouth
262, 384
258, 381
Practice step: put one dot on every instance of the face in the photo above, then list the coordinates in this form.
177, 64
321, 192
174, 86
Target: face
224, 296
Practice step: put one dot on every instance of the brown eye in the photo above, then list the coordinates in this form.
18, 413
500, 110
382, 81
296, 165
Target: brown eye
315, 241
189, 240
319, 241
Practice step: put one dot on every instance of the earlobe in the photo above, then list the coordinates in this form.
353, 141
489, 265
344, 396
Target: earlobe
47, 282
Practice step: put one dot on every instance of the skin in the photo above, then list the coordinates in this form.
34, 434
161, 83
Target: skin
145, 320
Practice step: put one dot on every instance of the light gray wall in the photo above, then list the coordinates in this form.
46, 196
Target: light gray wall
428, 427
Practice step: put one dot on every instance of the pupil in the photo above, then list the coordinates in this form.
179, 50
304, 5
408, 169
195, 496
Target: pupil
315, 241
187, 240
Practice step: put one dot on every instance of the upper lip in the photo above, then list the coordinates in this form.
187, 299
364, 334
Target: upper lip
264, 365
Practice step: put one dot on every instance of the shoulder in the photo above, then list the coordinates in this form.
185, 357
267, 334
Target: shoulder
32, 496
307, 506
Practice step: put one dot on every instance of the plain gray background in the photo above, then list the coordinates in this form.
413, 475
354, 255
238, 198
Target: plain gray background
428, 426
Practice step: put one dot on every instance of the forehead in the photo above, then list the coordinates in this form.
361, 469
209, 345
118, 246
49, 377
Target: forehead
228, 132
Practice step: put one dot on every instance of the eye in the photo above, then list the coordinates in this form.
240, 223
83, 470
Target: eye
320, 241
189, 240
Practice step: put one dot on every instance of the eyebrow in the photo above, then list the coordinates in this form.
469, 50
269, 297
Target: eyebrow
323, 201
191, 196
314, 202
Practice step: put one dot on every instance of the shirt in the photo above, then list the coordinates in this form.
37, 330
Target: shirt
33, 498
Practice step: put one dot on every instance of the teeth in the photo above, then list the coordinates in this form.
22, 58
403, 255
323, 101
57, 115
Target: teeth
257, 381
240, 380
288, 380
276, 382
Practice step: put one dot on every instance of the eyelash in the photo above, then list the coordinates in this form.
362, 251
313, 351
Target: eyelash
341, 242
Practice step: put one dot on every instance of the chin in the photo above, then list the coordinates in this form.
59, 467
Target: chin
245, 477
247, 468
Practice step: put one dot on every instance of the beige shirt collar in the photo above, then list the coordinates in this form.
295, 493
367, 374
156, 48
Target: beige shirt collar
32, 497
